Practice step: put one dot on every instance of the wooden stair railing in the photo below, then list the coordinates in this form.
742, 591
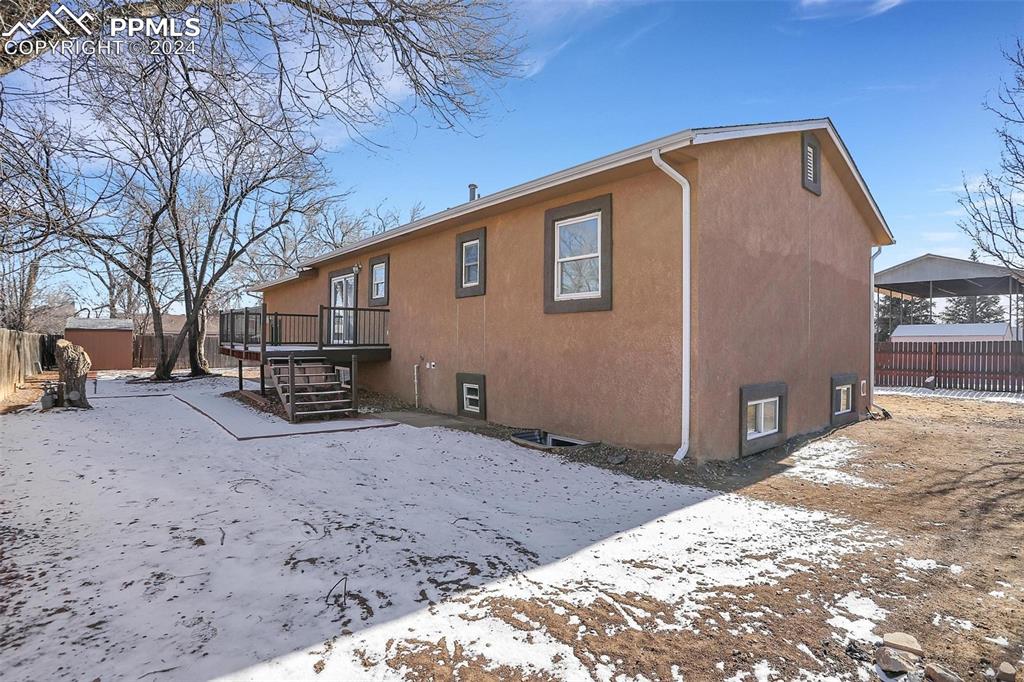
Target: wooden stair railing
309, 387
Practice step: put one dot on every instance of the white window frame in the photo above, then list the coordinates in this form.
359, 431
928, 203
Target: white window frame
465, 282
466, 398
559, 296
759, 417
848, 389
383, 267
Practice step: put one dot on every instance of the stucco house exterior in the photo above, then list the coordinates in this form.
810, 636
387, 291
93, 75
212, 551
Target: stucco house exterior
706, 293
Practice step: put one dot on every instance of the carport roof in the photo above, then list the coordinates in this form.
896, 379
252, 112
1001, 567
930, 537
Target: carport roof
936, 276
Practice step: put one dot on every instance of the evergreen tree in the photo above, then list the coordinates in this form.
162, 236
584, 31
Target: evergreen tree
891, 312
965, 309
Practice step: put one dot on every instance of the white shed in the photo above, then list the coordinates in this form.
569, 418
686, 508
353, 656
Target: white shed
945, 333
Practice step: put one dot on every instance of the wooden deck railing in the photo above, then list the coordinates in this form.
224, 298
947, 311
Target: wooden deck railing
253, 328
971, 365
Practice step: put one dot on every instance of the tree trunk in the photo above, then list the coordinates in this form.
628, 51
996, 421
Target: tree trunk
73, 364
197, 362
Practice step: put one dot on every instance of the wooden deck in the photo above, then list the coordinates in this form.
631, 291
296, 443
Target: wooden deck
340, 354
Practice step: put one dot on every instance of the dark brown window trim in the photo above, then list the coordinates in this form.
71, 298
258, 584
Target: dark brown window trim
551, 216
750, 393
460, 239
463, 378
847, 417
810, 140
383, 300
330, 286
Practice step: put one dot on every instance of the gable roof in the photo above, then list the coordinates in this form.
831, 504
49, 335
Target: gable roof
97, 323
942, 276
640, 152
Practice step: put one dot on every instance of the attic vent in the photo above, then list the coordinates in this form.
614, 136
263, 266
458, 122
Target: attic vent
811, 163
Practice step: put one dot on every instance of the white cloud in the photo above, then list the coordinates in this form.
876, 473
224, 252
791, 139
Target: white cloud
858, 9
973, 183
534, 62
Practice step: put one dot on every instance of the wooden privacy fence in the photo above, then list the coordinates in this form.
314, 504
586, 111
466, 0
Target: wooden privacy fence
20, 357
145, 353
971, 365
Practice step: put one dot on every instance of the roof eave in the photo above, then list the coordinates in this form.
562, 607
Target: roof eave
690, 136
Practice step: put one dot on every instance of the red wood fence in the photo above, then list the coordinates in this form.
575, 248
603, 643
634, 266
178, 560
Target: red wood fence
972, 365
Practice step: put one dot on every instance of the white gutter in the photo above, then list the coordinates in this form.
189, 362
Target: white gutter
684, 437
871, 307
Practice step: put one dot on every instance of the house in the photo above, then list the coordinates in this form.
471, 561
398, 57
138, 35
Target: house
108, 342
946, 333
174, 323
707, 293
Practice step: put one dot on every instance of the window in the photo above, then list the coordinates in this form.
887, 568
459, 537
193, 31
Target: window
379, 283
471, 263
762, 418
844, 398
471, 398
810, 163
578, 256
379, 280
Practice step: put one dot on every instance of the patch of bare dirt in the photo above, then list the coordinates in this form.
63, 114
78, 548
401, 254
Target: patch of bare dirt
27, 393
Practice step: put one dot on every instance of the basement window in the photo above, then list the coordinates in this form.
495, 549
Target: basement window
762, 418
810, 163
472, 395
471, 398
844, 399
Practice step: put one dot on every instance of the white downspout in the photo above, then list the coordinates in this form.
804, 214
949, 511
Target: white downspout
871, 307
684, 439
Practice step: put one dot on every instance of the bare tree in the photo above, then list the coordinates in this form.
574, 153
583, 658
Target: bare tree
353, 61
283, 250
994, 204
19, 289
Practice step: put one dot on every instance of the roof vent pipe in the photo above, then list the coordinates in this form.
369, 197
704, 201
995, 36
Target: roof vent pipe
472, 191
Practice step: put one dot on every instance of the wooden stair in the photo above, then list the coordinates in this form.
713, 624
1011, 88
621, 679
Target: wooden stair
319, 391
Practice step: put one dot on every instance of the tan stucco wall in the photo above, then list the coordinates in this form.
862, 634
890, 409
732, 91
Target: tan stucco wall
780, 293
781, 287
610, 375
107, 348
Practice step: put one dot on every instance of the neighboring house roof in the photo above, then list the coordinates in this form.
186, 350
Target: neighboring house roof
172, 324
998, 329
684, 138
98, 323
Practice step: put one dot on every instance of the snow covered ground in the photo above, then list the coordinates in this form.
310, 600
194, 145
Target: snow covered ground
143, 541
959, 393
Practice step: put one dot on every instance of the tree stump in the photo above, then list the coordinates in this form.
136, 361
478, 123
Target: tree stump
73, 364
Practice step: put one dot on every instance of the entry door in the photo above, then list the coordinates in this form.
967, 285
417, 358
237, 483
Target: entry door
343, 322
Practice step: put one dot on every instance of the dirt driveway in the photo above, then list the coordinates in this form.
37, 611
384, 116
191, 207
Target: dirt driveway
142, 541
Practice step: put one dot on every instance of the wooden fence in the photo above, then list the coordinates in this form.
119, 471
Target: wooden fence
145, 354
971, 365
20, 357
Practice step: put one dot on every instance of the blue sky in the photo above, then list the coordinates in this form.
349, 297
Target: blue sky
904, 83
